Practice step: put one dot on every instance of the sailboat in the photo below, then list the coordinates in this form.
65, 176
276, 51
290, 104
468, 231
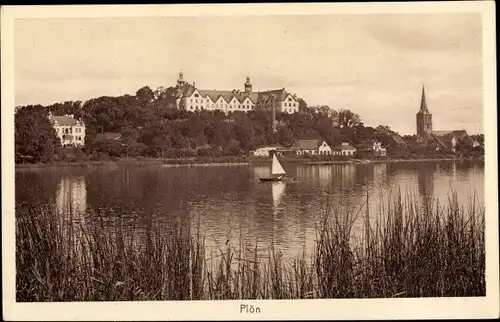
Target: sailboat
277, 171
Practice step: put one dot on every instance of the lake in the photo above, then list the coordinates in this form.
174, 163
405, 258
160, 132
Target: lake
230, 203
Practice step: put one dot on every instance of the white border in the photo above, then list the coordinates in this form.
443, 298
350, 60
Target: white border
292, 309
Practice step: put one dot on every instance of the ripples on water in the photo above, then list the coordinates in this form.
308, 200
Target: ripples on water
230, 203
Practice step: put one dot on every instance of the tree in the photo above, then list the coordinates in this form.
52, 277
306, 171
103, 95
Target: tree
302, 105
384, 129
232, 148
35, 137
348, 119
145, 94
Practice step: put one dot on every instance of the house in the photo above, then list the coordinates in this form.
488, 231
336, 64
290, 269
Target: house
344, 149
191, 98
449, 139
374, 148
70, 131
397, 140
311, 147
266, 150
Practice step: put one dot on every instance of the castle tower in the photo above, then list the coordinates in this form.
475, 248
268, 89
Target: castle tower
424, 118
248, 86
180, 80
180, 86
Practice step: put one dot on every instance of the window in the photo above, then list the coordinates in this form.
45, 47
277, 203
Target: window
289, 99
196, 101
196, 95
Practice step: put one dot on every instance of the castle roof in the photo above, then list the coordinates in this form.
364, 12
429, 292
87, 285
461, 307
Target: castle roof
228, 95
278, 95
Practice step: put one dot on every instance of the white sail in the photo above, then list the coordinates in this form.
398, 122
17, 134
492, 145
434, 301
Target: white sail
276, 168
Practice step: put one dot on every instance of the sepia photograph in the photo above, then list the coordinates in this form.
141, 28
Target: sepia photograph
249, 161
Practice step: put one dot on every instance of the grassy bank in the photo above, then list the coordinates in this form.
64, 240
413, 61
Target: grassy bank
206, 161
115, 162
408, 251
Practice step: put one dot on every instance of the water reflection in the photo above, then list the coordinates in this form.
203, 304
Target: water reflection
231, 203
278, 189
425, 176
325, 175
379, 172
71, 195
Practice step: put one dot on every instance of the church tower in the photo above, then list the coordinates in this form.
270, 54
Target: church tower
248, 86
424, 118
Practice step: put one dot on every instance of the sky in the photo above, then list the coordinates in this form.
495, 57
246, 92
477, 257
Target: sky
375, 65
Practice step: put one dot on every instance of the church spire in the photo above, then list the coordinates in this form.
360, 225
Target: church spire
423, 102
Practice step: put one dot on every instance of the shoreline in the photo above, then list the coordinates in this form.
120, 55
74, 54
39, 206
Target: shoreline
171, 163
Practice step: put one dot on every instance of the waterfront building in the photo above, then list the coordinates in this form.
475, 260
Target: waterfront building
312, 147
449, 139
375, 148
344, 149
191, 98
70, 131
266, 150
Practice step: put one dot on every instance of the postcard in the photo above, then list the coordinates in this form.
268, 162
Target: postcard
249, 161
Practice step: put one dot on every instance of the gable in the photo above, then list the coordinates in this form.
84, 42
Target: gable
195, 94
289, 98
220, 99
247, 100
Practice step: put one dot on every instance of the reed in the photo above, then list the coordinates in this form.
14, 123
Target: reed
406, 250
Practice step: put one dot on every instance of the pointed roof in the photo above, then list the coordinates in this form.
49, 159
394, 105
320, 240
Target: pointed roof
308, 144
423, 103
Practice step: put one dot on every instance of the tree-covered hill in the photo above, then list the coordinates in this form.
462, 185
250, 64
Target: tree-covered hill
148, 124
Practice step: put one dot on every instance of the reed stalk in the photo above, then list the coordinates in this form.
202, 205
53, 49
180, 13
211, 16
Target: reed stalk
406, 250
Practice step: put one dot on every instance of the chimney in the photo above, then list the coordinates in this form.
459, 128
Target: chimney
194, 84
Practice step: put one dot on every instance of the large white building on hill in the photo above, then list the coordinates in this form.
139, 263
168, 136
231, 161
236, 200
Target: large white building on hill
191, 98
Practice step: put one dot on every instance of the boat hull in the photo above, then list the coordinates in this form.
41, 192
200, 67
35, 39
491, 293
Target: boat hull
271, 179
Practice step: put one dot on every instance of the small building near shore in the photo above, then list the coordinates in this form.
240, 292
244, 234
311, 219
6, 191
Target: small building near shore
374, 148
449, 139
266, 150
311, 147
344, 149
